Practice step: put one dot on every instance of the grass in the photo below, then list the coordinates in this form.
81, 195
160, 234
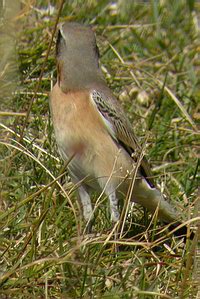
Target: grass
150, 58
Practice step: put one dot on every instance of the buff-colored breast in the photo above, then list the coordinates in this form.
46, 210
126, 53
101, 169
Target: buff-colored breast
80, 131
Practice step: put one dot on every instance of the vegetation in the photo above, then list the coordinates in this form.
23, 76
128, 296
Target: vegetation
150, 58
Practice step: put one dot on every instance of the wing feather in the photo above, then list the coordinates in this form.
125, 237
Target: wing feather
120, 129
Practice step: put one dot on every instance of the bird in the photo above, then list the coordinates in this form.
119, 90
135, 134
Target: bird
91, 126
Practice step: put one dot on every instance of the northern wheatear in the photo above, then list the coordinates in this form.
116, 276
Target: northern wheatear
90, 125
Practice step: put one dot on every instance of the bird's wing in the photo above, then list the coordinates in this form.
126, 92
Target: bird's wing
119, 128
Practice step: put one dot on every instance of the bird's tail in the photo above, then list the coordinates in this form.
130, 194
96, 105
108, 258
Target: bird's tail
154, 201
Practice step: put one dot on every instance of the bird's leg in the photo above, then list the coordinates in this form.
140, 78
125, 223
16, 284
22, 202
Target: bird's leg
87, 207
113, 206
114, 211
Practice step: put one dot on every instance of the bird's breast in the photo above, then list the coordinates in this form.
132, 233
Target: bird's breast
81, 132
66, 121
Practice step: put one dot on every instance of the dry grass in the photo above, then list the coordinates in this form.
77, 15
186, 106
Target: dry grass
150, 57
